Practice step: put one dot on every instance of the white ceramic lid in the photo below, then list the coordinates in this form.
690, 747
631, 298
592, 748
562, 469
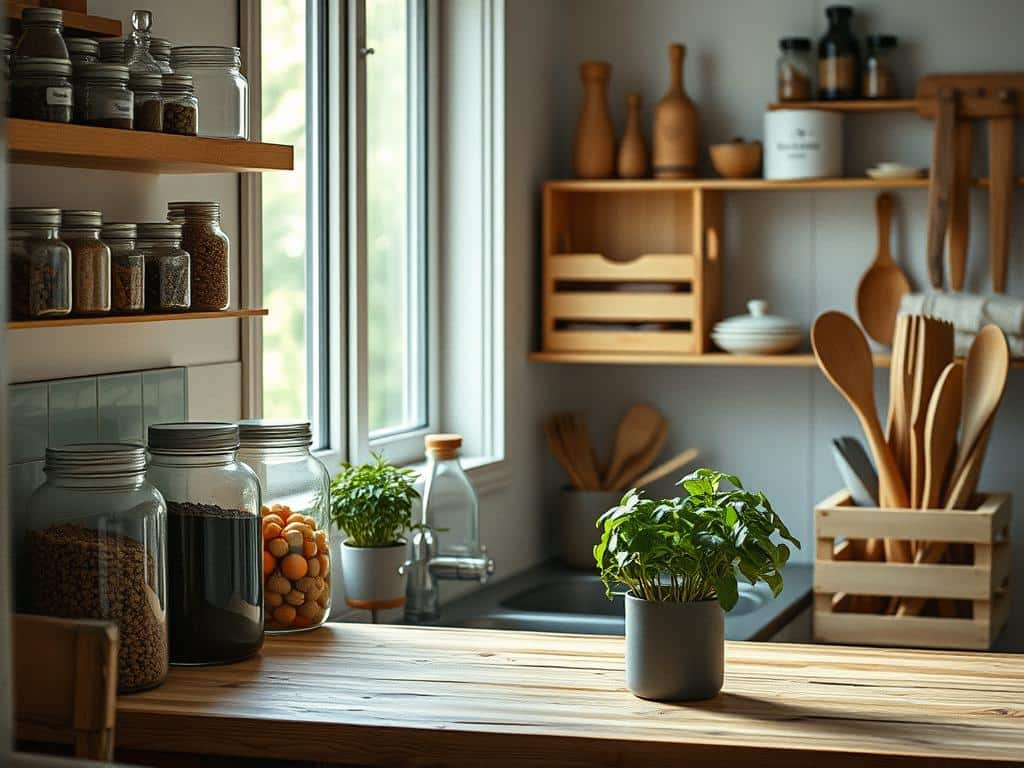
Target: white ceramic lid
757, 322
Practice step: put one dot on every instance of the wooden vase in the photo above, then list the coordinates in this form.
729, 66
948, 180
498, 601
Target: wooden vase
593, 154
675, 126
632, 159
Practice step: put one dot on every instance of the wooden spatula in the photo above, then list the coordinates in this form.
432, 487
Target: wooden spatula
1000, 192
960, 206
554, 439
635, 432
940, 183
676, 462
940, 429
934, 353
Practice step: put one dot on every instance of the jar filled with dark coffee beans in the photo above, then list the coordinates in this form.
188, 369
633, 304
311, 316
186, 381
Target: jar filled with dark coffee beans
103, 98
149, 104
41, 90
90, 262
167, 267
127, 268
209, 250
41, 35
82, 50
40, 264
112, 51
181, 107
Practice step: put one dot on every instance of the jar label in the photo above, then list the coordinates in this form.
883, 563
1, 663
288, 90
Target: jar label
59, 96
119, 108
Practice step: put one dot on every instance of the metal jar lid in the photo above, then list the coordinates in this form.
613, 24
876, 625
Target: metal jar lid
96, 460
179, 210
118, 230
102, 71
42, 66
145, 81
26, 216
177, 83
275, 433
75, 219
82, 46
159, 230
112, 51
160, 48
43, 16
193, 437
222, 55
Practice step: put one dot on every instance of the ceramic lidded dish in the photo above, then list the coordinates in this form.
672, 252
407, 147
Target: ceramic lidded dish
757, 333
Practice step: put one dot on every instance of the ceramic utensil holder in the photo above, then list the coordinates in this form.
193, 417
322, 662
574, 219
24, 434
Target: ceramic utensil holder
981, 586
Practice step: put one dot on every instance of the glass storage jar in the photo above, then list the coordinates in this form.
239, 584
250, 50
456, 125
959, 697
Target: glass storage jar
41, 35
149, 104
102, 96
95, 548
879, 81
161, 50
82, 50
40, 264
41, 90
90, 262
181, 107
127, 268
838, 57
450, 503
209, 252
222, 90
793, 71
136, 49
215, 600
167, 267
7, 44
296, 522
112, 51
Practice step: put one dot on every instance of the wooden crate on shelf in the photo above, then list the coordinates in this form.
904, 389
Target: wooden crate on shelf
976, 589
632, 270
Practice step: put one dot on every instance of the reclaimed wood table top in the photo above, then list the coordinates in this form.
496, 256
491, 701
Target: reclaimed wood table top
387, 695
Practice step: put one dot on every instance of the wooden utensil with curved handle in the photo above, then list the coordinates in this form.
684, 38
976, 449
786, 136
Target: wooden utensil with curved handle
883, 285
940, 429
985, 372
634, 434
960, 205
641, 462
676, 462
940, 183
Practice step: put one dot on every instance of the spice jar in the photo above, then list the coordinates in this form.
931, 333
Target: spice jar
94, 549
794, 69
112, 51
222, 90
295, 512
838, 57
209, 253
149, 104
181, 107
215, 600
90, 262
161, 50
879, 81
40, 264
82, 50
41, 35
137, 53
167, 267
127, 268
103, 98
41, 90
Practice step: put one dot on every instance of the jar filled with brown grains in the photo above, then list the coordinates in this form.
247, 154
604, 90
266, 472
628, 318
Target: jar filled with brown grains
41, 35
181, 107
102, 96
40, 264
41, 90
878, 81
149, 104
209, 250
794, 68
90, 262
82, 50
94, 548
127, 268
167, 266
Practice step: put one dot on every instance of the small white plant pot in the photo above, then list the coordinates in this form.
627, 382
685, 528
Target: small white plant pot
372, 580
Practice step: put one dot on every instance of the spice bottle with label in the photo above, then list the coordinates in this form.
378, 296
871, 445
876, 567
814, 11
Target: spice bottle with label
103, 96
209, 251
149, 103
794, 69
41, 90
879, 82
41, 35
40, 264
838, 57
167, 267
90, 262
127, 268
181, 107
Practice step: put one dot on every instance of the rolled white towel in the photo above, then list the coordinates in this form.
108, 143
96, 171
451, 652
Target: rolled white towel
962, 343
967, 311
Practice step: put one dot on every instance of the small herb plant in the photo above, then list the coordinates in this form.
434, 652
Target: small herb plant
372, 503
685, 550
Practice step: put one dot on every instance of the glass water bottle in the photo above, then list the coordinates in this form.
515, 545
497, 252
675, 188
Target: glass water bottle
450, 504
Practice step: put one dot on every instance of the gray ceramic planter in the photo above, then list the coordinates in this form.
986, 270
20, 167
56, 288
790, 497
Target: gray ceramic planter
371, 575
578, 533
674, 651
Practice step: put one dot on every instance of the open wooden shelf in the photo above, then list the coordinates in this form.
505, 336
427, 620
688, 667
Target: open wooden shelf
668, 185
791, 360
80, 146
122, 319
75, 24
857, 105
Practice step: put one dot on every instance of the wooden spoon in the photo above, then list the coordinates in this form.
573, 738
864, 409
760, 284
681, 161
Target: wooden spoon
940, 428
988, 363
883, 285
641, 462
843, 356
677, 461
554, 438
634, 434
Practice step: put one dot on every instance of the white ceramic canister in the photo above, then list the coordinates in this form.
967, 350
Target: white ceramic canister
803, 144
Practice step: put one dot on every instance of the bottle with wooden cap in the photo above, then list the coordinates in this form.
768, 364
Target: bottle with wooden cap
632, 160
675, 126
450, 505
593, 154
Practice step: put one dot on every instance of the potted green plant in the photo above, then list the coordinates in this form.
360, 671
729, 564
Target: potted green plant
372, 504
679, 560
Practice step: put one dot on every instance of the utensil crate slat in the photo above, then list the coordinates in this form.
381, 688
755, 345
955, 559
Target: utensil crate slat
641, 257
838, 578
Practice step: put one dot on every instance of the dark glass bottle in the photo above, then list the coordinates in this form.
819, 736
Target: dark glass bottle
838, 57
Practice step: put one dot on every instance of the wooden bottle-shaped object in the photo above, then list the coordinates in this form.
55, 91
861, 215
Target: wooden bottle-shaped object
632, 160
675, 126
593, 153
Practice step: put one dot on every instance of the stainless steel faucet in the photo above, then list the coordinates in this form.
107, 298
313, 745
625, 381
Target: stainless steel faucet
425, 568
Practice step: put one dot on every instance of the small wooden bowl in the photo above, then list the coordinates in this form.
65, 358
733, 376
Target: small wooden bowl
737, 159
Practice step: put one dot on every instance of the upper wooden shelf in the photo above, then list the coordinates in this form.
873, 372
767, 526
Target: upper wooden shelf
75, 24
858, 105
791, 360
653, 185
64, 322
81, 146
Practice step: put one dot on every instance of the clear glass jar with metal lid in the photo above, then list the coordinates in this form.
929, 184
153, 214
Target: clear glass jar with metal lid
221, 88
137, 53
41, 35
40, 264
82, 50
112, 50
127, 268
209, 251
213, 543
181, 107
103, 98
161, 50
41, 90
95, 548
296, 522
90, 262
167, 267
149, 103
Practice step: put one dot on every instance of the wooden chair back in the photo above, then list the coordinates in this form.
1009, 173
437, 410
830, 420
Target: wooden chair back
65, 683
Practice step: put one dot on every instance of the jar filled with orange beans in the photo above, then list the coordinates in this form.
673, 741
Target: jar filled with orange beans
296, 546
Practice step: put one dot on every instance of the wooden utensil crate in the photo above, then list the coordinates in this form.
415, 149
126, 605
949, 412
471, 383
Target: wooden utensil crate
629, 267
983, 534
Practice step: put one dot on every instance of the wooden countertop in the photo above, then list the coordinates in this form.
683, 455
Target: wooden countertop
384, 695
